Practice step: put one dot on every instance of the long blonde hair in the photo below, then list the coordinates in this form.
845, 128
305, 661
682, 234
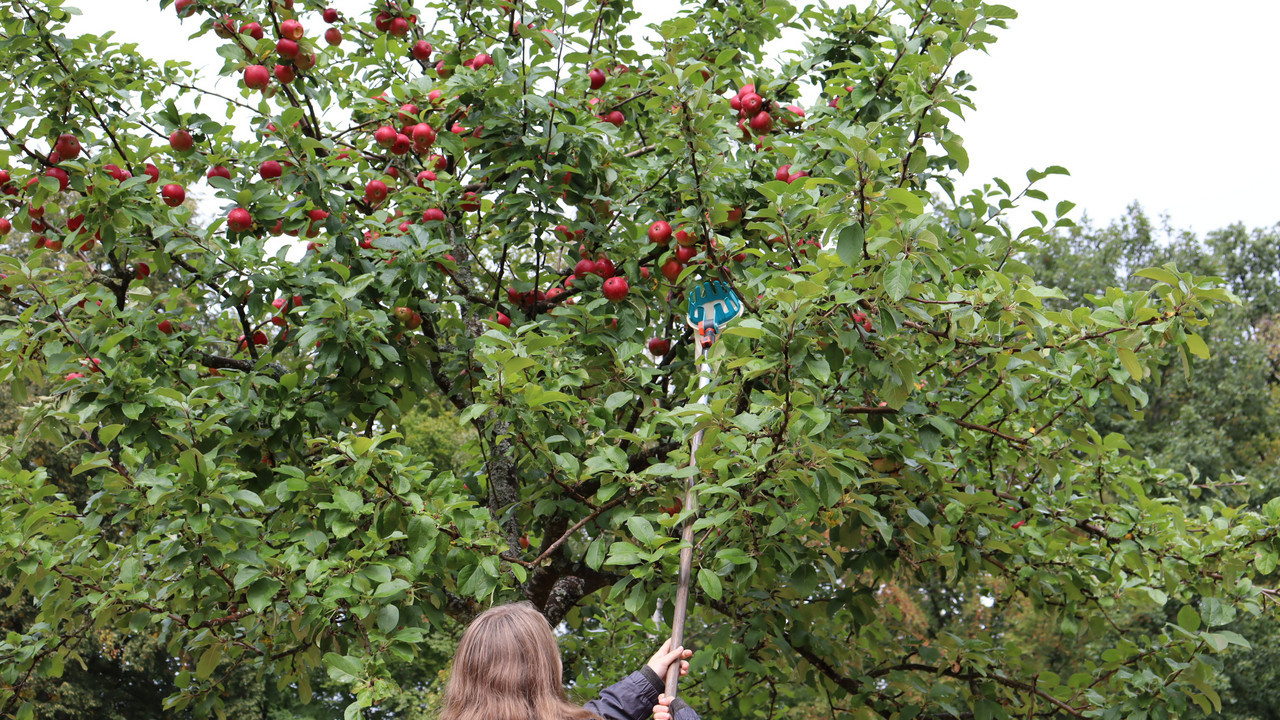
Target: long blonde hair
507, 667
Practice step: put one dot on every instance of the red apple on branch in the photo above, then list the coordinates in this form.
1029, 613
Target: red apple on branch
291, 29
660, 232
180, 141
173, 194
239, 220
615, 288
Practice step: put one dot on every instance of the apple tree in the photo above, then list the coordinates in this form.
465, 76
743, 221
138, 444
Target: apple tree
502, 207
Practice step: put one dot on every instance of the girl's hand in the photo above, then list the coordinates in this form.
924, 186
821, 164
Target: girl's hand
662, 711
661, 660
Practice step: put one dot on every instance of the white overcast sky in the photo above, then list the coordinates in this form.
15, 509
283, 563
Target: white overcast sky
1171, 103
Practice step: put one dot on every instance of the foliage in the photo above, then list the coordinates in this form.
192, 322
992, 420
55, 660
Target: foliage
902, 404
1220, 424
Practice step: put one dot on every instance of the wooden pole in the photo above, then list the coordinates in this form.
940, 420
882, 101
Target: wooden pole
681, 611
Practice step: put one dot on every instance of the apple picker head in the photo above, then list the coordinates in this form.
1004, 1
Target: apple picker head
711, 306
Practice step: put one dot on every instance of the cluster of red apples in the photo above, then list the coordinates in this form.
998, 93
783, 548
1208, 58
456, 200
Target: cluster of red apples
68, 147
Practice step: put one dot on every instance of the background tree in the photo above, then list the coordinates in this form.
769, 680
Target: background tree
1218, 425
903, 406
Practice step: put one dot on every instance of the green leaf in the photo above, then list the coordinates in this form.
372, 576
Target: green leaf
641, 529
1131, 363
850, 244
710, 584
617, 400
1196, 345
348, 500
208, 661
388, 618
897, 279
907, 199
261, 592
343, 669
1188, 618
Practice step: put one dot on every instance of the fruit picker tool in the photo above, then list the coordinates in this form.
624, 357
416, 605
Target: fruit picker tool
711, 306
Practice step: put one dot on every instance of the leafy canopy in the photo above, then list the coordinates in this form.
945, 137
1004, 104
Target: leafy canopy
902, 404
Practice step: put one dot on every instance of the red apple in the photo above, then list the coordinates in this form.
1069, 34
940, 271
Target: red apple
751, 103
442, 70
165, 327
285, 74
399, 27
685, 253
615, 288
584, 267
333, 36
375, 191
782, 173
615, 118
432, 214
762, 123
423, 136
142, 272
604, 268
286, 48
659, 346
503, 320
597, 78
253, 30
385, 136
421, 50
74, 224
67, 146
470, 202
173, 194
425, 177
239, 220
402, 144
61, 176
291, 29
270, 170
686, 238
218, 171
5, 226
330, 15
180, 141
660, 232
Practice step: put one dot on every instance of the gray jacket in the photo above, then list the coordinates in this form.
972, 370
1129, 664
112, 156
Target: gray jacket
633, 698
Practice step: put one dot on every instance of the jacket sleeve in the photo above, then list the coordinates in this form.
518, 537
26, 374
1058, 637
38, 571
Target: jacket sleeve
680, 710
631, 698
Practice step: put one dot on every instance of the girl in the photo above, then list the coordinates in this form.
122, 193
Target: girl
507, 667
